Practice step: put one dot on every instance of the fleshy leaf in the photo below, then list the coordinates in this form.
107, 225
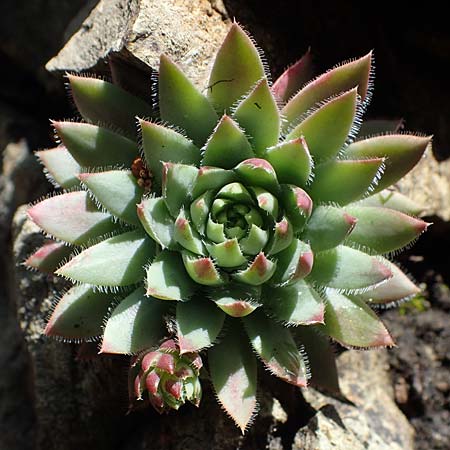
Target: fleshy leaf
326, 130
355, 179
296, 304
181, 104
94, 146
79, 314
227, 254
293, 263
258, 172
233, 374
48, 257
117, 191
293, 78
117, 261
348, 269
60, 166
227, 146
383, 230
100, 103
340, 79
321, 359
255, 241
186, 236
164, 144
177, 183
327, 227
198, 324
259, 117
236, 300
157, 221
399, 287
258, 272
202, 270
166, 278
71, 217
401, 152
297, 204
212, 178
236, 69
277, 349
135, 324
393, 200
281, 237
291, 161
352, 323
199, 210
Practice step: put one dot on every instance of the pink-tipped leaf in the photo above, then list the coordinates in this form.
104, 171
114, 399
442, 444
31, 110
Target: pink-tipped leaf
48, 257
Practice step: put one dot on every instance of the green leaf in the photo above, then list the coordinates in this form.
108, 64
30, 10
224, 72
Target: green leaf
135, 324
162, 144
157, 221
297, 205
348, 269
227, 254
202, 270
79, 314
345, 181
60, 166
212, 178
401, 152
167, 280
281, 237
233, 373
293, 263
258, 172
277, 349
399, 287
236, 300
181, 104
266, 201
215, 231
178, 180
186, 236
393, 200
100, 103
237, 67
294, 78
71, 217
340, 79
94, 146
352, 323
327, 227
198, 324
118, 261
295, 304
255, 241
326, 130
258, 271
235, 192
199, 210
117, 191
383, 230
321, 359
291, 161
259, 117
48, 257
227, 146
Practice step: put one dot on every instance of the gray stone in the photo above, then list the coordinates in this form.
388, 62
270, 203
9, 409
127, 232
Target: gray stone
374, 422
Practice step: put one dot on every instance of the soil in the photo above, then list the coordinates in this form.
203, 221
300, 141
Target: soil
421, 363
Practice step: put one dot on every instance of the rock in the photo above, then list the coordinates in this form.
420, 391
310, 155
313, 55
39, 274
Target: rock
374, 421
188, 32
428, 184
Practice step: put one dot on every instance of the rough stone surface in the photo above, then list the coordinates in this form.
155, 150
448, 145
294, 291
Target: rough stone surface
428, 184
374, 422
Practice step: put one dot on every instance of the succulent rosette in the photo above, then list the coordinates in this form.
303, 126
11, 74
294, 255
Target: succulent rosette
257, 217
